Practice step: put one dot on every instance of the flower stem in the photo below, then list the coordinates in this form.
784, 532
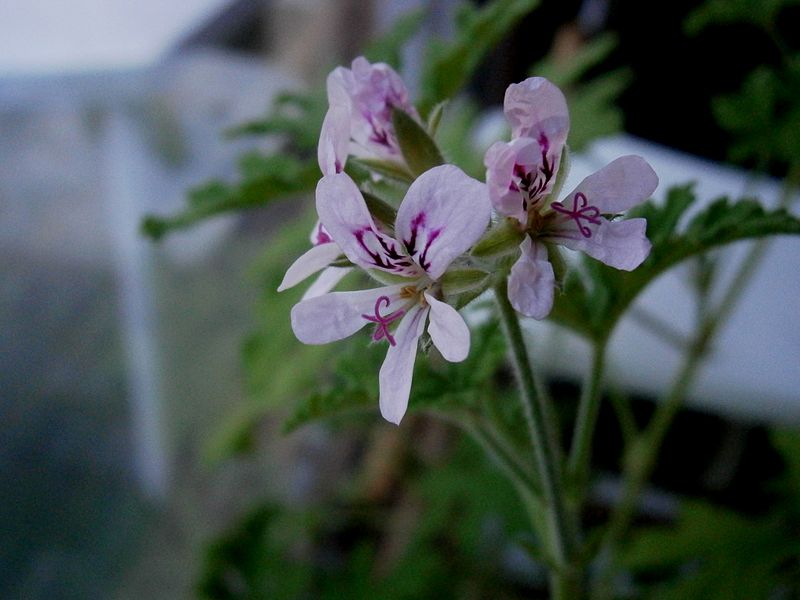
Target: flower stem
547, 454
588, 409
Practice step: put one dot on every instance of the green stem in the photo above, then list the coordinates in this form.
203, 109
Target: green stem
547, 457
585, 423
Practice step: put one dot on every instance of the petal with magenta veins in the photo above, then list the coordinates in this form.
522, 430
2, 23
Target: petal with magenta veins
398, 367
338, 315
315, 259
448, 330
531, 283
620, 185
535, 108
619, 244
326, 281
443, 214
514, 176
344, 214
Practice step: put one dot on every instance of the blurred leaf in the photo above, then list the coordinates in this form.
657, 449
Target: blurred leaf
388, 47
296, 115
715, 554
594, 311
762, 13
264, 179
592, 103
448, 66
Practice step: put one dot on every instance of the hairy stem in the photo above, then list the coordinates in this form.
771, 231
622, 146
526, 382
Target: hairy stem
588, 409
547, 455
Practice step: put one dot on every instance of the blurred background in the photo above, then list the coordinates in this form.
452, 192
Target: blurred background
136, 459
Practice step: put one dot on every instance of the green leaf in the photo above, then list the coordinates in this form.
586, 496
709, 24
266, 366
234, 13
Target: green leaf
449, 66
418, 148
594, 311
762, 13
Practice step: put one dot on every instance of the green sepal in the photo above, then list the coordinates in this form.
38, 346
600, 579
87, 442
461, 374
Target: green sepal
380, 209
385, 168
504, 237
459, 280
418, 148
436, 117
563, 170
388, 278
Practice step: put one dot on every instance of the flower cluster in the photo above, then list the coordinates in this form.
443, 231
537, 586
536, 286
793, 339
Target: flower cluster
443, 215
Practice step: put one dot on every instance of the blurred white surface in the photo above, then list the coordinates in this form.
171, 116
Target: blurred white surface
753, 372
60, 36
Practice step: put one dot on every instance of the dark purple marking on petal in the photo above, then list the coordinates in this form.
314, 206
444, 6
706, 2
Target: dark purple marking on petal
581, 209
322, 236
411, 243
423, 258
387, 257
382, 322
532, 185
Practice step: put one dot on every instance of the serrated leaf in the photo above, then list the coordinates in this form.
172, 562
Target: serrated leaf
418, 148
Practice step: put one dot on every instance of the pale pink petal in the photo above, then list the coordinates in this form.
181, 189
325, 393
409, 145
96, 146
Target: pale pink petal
398, 367
334, 140
326, 281
619, 244
443, 214
618, 186
448, 330
537, 109
316, 258
532, 281
337, 315
344, 214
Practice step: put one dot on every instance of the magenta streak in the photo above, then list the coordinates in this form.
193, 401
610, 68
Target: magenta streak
379, 135
416, 223
423, 258
391, 260
382, 322
322, 236
589, 213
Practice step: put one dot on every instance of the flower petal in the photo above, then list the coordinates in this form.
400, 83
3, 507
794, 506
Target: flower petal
337, 315
506, 164
618, 186
344, 214
443, 214
326, 281
316, 258
532, 281
398, 367
334, 140
619, 244
448, 330
535, 108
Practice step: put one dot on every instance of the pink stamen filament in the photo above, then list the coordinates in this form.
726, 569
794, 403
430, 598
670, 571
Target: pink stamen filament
585, 211
382, 322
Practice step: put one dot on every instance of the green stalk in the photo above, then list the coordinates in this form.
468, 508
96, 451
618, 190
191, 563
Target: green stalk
580, 458
565, 578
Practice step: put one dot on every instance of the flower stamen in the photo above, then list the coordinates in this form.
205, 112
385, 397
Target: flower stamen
382, 322
585, 211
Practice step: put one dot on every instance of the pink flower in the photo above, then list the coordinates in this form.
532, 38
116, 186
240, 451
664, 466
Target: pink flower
442, 215
520, 175
359, 118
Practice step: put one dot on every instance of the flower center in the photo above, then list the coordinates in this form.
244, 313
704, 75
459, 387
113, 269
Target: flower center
533, 183
382, 322
581, 210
